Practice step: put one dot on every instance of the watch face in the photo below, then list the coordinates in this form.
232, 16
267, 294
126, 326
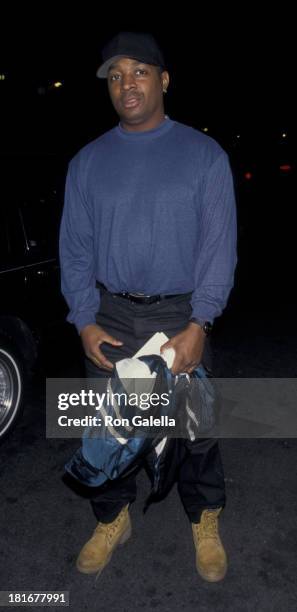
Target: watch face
207, 327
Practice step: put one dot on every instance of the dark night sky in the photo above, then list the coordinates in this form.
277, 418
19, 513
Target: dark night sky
231, 69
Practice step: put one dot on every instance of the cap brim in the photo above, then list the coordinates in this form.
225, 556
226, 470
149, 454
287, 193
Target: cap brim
102, 71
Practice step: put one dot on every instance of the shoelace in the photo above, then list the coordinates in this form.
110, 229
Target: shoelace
208, 526
110, 528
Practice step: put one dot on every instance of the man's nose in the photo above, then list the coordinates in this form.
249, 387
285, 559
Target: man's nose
128, 81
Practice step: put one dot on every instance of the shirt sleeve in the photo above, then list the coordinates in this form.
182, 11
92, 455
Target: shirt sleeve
78, 282
217, 257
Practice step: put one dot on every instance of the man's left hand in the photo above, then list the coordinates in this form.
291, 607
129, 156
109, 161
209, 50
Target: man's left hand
188, 345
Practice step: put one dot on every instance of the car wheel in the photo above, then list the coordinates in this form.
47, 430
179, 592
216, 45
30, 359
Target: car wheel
11, 388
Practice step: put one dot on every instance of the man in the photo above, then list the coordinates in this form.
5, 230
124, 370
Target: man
147, 244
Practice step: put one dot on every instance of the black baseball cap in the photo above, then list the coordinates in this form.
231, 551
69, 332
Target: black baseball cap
135, 45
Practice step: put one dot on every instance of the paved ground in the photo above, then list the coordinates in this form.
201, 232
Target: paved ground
44, 523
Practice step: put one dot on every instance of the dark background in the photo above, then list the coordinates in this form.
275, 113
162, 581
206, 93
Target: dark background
232, 70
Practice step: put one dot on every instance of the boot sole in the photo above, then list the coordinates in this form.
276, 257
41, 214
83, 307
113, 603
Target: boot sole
210, 578
126, 535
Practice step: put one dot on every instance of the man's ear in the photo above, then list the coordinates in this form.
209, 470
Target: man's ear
165, 80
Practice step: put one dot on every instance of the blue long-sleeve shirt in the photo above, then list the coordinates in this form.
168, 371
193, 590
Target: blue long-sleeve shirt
149, 212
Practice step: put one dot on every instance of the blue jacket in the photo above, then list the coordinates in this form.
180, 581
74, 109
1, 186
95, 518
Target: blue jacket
108, 453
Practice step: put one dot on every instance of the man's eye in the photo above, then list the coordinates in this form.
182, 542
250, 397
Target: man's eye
115, 77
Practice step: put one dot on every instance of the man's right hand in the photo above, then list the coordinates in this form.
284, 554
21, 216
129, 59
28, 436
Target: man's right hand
92, 336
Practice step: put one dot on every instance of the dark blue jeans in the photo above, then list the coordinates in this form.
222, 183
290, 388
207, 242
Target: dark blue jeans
200, 476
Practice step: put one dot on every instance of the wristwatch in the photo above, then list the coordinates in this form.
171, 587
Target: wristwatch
205, 325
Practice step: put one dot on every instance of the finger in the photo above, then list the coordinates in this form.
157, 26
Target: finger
111, 340
167, 345
176, 368
107, 364
101, 360
192, 367
102, 365
181, 368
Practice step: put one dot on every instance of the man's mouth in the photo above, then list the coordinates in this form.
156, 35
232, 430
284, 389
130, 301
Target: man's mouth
131, 102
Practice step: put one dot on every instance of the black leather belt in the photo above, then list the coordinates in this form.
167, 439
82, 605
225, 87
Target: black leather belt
139, 298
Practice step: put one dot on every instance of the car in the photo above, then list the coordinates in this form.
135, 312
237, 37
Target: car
31, 302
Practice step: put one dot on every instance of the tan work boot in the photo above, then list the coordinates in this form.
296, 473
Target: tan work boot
211, 560
97, 552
